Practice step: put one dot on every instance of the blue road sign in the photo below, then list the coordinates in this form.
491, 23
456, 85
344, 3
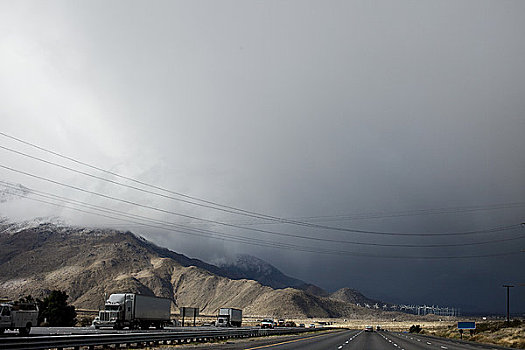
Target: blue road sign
466, 325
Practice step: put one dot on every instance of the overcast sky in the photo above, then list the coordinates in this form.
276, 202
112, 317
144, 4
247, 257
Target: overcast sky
401, 112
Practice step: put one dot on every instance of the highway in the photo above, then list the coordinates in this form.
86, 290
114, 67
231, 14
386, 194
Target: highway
354, 340
240, 339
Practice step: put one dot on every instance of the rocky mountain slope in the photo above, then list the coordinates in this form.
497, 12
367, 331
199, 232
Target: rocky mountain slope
353, 296
250, 267
87, 263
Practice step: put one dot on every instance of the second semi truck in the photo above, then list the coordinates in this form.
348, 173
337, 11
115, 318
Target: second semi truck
229, 317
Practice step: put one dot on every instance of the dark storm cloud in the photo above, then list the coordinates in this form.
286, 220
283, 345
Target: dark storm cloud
294, 109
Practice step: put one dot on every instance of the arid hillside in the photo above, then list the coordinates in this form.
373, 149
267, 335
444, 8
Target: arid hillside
353, 296
87, 263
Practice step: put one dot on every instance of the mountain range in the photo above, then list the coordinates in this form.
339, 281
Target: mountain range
88, 263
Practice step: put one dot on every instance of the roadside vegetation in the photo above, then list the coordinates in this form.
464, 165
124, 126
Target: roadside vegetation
53, 310
511, 334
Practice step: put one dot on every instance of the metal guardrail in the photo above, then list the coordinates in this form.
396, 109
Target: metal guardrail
137, 339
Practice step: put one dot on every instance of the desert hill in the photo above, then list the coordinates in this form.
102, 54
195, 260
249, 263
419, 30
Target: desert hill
86, 263
353, 296
250, 267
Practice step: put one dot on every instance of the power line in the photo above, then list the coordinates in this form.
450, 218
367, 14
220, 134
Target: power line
261, 243
327, 240
116, 182
208, 204
135, 180
382, 215
491, 230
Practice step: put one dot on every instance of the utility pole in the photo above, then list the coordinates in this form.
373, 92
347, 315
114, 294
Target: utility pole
508, 286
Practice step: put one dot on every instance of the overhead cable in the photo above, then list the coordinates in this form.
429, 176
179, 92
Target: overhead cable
327, 240
491, 230
287, 246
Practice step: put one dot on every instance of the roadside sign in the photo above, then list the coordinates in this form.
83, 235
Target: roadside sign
466, 325
189, 311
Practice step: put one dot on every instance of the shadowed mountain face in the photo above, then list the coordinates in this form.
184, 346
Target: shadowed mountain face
86, 263
250, 267
353, 296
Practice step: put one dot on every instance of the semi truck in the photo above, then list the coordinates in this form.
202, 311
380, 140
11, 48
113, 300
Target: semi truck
229, 317
21, 316
134, 311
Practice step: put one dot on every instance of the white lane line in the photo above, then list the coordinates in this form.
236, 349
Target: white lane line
429, 343
340, 347
444, 347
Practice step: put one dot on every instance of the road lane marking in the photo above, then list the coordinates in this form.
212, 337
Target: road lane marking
444, 347
288, 342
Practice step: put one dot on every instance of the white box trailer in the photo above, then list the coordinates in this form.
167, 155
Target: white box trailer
134, 311
152, 308
229, 317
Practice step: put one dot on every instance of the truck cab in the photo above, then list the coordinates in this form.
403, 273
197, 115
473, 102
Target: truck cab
114, 313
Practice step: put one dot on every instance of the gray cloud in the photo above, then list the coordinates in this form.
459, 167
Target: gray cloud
294, 109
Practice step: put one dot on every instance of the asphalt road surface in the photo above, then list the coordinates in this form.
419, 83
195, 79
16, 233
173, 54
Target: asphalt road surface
330, 340
354, 340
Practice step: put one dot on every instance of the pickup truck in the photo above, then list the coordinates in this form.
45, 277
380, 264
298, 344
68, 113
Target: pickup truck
18, 316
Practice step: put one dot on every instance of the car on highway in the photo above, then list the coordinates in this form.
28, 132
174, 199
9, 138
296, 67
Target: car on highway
267, 323
369, 329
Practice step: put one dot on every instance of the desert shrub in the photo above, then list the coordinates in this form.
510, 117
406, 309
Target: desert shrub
85, 321
415, 329
55, 310
495, 326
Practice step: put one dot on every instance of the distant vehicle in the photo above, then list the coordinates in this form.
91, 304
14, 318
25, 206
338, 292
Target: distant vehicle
311, 325
134, 311
267, 323
301, 325
21, 316
229, 317
280, 322
378, 328
369, 329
